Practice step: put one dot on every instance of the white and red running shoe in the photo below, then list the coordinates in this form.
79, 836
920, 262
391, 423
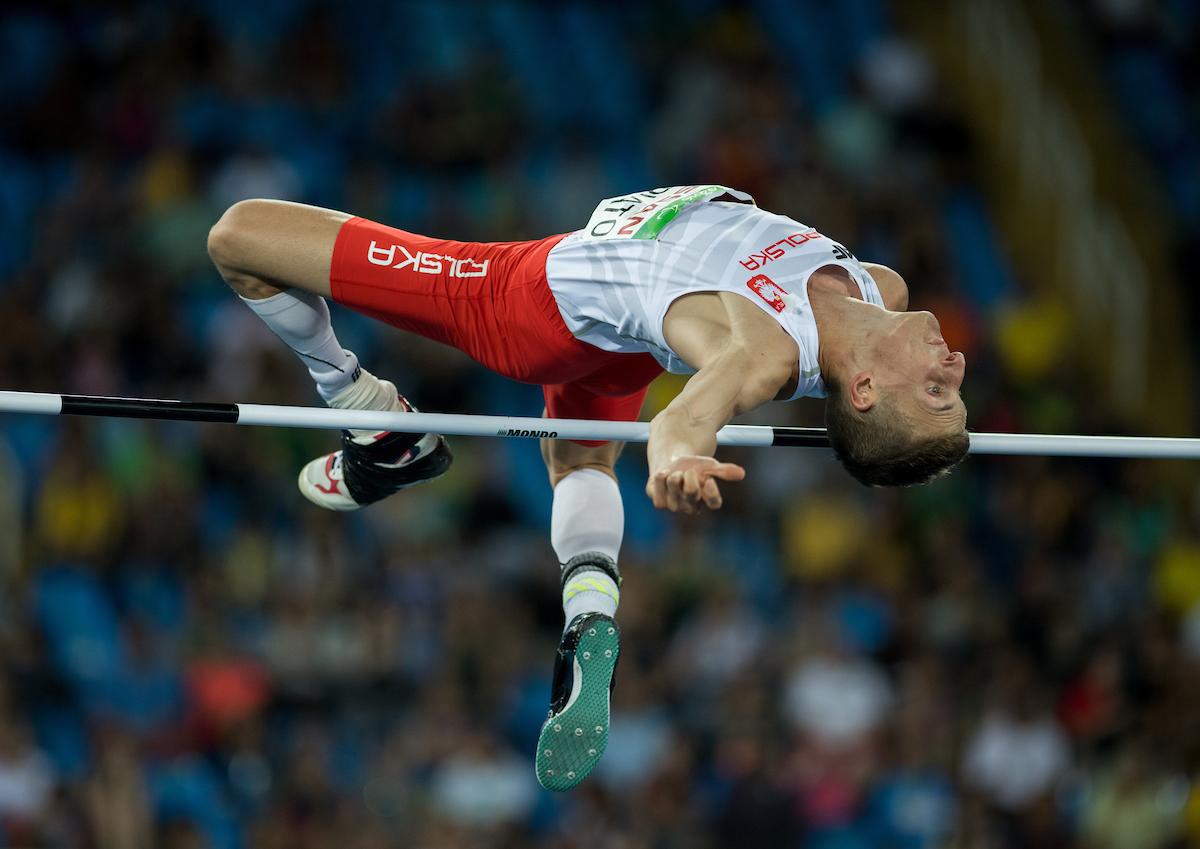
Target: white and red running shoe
370, 468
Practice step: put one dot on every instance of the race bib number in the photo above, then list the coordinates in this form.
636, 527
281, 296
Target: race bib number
644, 215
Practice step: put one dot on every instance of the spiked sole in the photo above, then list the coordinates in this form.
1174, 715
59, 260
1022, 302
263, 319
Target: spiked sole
573, 740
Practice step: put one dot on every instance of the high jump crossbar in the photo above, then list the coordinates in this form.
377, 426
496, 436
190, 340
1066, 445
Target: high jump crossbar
1031, 444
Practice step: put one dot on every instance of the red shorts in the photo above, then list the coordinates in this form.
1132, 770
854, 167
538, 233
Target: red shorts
491, 301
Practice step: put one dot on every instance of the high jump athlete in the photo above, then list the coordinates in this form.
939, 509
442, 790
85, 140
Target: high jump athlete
691, 279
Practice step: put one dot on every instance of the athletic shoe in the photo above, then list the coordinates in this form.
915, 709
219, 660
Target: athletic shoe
370, 468
575, 734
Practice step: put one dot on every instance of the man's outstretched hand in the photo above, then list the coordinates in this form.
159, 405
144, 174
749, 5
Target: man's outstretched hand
689, 483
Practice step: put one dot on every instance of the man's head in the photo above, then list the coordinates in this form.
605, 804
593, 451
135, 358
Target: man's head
894, 413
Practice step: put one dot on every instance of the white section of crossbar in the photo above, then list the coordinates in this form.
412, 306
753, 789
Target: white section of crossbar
1068, 445
41, 403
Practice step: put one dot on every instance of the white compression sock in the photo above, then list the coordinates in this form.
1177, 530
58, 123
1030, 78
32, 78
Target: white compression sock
301, 320
368, 392
587, 516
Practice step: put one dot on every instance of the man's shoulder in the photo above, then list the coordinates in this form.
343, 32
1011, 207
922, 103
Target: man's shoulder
891, 286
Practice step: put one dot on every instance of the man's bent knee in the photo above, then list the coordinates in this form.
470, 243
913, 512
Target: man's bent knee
263, 246
227, 240
228, 247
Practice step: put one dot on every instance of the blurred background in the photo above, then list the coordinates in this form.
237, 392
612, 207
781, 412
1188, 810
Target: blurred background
191, 655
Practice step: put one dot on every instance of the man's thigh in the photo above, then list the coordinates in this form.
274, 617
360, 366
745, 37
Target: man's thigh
489, 300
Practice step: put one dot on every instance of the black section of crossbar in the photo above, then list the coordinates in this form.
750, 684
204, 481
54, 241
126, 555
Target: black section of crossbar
146, 408
800, 437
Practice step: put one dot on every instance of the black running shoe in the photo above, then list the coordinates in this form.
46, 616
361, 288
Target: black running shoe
575, 734
370, 468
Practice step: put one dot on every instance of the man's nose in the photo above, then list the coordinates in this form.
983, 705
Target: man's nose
957, 363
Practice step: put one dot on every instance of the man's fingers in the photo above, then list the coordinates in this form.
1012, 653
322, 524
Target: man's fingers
687, 490
674, 490
726, 471
685, 487
656, 488
690, 490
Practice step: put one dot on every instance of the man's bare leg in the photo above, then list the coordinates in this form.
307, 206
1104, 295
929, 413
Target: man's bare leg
262, 247
587, 517
586, 527
277, 256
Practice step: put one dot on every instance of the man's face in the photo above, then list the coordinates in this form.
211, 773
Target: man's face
916, 367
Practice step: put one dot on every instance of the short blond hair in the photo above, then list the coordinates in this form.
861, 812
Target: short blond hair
882, 447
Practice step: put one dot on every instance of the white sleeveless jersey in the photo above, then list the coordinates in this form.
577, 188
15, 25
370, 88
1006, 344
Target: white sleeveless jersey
615, 279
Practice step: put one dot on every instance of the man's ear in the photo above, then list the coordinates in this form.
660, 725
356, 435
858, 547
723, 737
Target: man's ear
862, 392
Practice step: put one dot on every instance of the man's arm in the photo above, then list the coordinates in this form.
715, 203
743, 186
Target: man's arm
683, 437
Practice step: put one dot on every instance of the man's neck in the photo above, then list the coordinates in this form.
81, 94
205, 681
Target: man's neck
845, 323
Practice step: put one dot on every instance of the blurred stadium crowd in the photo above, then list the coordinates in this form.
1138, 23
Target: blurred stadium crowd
193, 656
